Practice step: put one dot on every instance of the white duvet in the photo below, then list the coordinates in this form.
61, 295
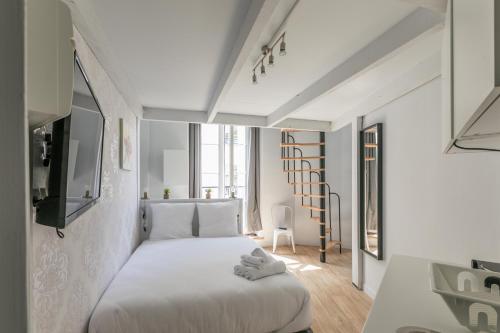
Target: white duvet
188, 285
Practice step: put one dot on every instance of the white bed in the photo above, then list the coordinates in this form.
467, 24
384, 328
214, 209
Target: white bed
188, 285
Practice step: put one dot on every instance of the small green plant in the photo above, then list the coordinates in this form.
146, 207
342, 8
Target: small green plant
209, 190
166, 193
208, 193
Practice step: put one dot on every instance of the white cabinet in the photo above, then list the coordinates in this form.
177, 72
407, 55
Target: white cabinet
471, 74
50, 54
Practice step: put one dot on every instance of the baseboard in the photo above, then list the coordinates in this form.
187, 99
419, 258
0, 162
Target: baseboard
369, 291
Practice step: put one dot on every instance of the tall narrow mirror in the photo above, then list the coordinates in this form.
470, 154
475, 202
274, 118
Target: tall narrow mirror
371, 191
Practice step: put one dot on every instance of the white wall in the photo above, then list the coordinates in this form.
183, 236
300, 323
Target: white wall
443, 207
339, 176
157, 136
273, 182
13, 195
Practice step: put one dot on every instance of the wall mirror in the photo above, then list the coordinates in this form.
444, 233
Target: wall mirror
371, 191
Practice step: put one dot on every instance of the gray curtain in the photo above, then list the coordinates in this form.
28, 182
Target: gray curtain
254, 223
194, 160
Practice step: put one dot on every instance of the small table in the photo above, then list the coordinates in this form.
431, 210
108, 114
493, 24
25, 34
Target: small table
405, 299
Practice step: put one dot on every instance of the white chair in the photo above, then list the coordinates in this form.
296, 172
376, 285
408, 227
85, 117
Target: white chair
283, 224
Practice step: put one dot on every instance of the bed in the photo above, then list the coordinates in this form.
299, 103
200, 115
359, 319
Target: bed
188, 285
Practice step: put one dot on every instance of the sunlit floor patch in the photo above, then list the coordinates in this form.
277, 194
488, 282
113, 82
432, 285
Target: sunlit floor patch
293, 264
287, 261
309, 268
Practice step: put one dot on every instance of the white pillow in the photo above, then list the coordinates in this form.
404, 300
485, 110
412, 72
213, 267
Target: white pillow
172, 220
218, 219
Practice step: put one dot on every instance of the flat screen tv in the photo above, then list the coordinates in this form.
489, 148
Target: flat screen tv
67, 158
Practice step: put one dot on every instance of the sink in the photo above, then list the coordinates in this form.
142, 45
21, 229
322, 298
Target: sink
472, 295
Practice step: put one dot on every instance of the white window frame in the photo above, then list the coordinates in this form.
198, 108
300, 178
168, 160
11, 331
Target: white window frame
222, 157
222, 166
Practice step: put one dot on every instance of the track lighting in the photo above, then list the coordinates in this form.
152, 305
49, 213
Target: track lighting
283, 47
271, 59
268, 52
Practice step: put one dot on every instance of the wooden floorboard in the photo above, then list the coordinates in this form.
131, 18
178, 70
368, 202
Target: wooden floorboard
338, 307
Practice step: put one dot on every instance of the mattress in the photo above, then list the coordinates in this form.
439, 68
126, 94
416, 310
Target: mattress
188, 285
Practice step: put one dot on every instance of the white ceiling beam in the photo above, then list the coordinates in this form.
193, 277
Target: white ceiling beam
423, 73
258, 16
390, 80
379, 50
185, 116
200, 117
436, 5
240, 120
305, 124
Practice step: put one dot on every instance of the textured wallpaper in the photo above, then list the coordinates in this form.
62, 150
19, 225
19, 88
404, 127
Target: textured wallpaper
69, 275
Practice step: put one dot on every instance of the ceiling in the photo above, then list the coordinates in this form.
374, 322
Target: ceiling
320, 35
172, 51
196, 57
373, 82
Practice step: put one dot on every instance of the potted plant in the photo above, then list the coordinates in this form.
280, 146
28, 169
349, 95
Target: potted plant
208, 193
166, 194
145, 197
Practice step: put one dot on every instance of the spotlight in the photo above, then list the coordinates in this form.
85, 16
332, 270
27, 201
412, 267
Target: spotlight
267, 56
283, 47
271, 60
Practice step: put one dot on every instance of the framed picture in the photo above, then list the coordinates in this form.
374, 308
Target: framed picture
126, 146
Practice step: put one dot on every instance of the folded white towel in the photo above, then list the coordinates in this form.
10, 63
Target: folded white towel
259, 252
239, 270
253, 274
253, 259
258, 265
258, 258
249, 264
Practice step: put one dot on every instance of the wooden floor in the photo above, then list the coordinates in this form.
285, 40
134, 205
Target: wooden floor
338, 307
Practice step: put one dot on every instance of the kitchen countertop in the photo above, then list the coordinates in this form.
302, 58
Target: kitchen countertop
405, 299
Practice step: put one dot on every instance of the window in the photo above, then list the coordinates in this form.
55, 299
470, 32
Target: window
223, 160
210, 159
235, 161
